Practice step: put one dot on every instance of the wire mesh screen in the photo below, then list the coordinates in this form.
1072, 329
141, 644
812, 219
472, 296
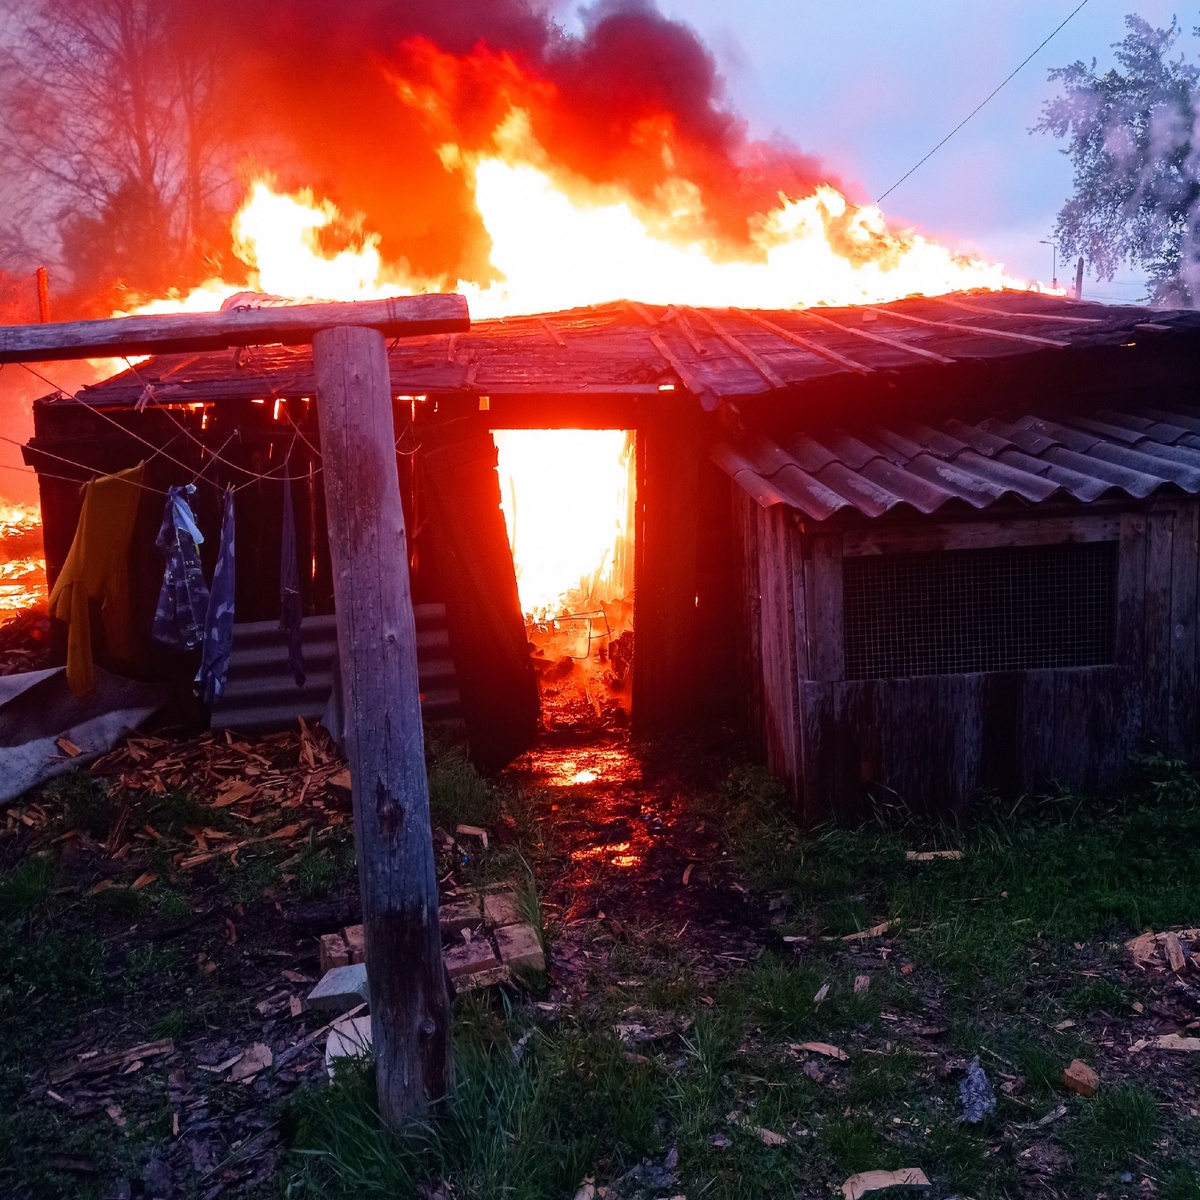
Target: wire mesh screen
1011, 609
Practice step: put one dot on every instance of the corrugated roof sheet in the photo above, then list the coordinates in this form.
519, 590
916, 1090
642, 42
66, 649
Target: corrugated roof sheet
626, 348
1109, 452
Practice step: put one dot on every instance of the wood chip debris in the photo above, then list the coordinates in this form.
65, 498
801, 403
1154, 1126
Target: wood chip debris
1078, 1077
874, 1181
1167, 1041
767, 1136
823, 1048
251, 1062
933, 855
1166, 948
863, 934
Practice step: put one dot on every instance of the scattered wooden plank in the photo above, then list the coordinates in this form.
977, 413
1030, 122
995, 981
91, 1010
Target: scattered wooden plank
100, 1064
932, 855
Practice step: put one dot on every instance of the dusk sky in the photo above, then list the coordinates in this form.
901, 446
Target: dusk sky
872, 85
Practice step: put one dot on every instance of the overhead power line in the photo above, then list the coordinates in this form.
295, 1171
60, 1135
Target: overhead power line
985, 101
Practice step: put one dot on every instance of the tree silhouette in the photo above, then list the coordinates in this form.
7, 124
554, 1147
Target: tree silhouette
1131, 135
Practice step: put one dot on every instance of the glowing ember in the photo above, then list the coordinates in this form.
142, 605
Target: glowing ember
564, 495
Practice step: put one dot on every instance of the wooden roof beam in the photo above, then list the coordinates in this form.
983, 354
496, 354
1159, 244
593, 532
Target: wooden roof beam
979, 330
806, 343
687, 376
181, 333
1024, 316
878, 338
763, 367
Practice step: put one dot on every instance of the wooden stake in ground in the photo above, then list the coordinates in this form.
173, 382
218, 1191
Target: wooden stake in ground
410, 1006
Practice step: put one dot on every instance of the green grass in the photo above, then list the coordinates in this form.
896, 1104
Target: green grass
458, 794
27, 887
996, 947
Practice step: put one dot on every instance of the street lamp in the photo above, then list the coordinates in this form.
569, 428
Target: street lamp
1053, 260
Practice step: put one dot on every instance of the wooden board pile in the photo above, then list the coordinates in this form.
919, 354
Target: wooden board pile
484, 939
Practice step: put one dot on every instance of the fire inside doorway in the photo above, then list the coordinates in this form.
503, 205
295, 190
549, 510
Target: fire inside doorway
568, 501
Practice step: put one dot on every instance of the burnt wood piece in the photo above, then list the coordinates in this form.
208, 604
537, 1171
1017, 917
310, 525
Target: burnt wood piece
669, 449
377, 644
468, 541
182, 332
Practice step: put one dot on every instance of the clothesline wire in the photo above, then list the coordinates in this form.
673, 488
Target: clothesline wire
255, 478
88, 470
254, 475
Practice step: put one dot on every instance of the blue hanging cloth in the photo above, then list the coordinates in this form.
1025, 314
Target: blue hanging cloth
218, 631
290, 611
182, 610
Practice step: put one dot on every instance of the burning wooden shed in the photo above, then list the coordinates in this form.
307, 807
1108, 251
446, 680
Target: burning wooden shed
925, 548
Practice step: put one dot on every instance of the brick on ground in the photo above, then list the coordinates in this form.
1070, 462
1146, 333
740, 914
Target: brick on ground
357, 942
520, 947
341, 989
453, 918
500, 909
334, 952
470, 958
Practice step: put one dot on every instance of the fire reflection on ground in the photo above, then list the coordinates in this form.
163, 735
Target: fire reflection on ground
631, 852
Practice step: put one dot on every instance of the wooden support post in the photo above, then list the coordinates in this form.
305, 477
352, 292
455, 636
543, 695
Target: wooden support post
410, 1004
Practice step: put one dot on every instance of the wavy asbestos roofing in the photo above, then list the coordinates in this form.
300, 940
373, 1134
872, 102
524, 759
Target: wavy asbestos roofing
907, 464
633, 349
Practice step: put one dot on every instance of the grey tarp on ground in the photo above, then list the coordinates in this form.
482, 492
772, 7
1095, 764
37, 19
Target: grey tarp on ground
37, 708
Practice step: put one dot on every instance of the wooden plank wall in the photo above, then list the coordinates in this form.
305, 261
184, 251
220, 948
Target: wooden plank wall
665, 543
932, 744
779, 610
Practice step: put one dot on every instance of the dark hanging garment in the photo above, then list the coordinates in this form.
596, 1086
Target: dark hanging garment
290, 611
182, 610
218, 632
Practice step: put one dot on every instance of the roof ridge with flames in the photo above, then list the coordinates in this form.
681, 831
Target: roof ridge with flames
629, 348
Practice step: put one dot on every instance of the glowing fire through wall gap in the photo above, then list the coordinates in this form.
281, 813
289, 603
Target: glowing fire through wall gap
567, 499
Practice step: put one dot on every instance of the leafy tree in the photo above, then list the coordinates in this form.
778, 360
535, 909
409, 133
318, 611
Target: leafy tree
1133, 136
109, 140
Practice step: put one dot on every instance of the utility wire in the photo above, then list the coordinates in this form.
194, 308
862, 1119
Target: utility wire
983, 103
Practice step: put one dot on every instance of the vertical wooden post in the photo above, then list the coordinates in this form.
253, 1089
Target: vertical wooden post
43, 295
410, 1005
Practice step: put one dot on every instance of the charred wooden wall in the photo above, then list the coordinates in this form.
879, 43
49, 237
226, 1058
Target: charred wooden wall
933, 743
